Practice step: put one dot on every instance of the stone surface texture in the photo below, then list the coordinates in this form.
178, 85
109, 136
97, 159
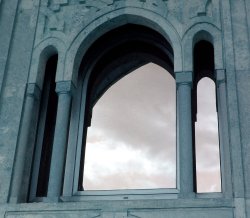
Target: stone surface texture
32, 28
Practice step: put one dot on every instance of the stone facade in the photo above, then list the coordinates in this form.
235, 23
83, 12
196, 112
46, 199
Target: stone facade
34, 30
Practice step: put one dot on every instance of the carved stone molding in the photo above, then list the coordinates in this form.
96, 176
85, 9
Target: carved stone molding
64, 16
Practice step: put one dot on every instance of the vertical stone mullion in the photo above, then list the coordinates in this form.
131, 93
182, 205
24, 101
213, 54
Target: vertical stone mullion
185, 143
226, 177
63, 90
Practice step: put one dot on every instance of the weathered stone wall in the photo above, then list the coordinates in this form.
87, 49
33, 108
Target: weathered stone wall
16, 42
29, 27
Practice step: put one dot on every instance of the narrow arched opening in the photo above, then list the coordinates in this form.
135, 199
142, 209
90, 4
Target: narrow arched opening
205, 120
45, 129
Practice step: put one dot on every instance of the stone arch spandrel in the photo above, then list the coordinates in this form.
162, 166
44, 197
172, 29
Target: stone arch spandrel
42, 52
64, 19
111, 21
202, 31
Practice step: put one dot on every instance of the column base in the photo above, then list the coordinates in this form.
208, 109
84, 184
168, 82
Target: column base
51, 199
13, 200
186, 195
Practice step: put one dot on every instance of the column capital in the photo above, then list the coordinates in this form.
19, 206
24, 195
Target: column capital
220, 75
66, 87
33, 90
184, 77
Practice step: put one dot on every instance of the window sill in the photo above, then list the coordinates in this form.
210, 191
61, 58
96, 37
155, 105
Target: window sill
132, 194
129, 194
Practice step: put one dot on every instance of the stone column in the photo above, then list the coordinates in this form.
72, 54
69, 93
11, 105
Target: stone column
226, 177
59, 149
184, 134
25, 146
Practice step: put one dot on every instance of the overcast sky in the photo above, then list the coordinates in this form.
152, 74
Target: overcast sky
131, 143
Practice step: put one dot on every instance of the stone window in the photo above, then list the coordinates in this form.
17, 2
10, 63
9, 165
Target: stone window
67, 111
132, 47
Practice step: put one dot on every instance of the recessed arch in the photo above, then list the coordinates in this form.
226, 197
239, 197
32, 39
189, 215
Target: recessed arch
202, 31
112, 20
111, 57
119, 52
42, 52
203, 60
202, 35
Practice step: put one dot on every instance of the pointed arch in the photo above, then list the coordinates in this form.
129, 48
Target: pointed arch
42, 52
202, 31
109, 21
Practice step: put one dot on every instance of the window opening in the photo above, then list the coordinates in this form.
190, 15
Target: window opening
47, 120
131, 143
205, 120
207, 141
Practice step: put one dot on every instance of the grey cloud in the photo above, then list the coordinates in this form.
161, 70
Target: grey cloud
146, 122
136, 180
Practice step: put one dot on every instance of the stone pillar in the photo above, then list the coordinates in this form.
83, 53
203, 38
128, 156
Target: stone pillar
63, 90
226, 177
23, 156
184, 134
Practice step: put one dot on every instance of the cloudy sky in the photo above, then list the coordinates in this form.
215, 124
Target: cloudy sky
131, 143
